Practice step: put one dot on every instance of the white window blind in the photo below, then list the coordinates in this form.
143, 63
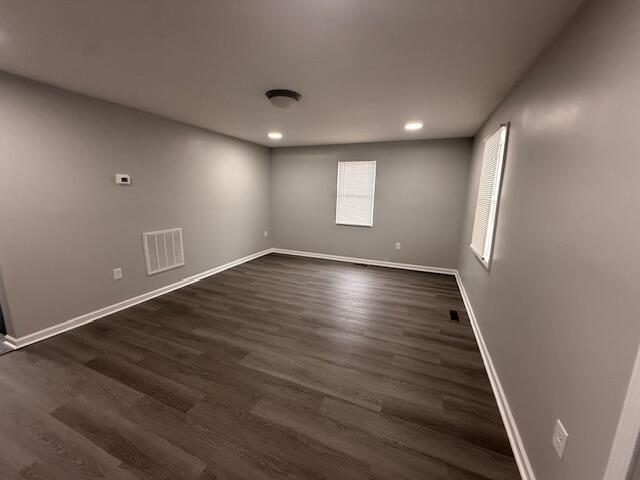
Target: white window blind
356, 189
484, 221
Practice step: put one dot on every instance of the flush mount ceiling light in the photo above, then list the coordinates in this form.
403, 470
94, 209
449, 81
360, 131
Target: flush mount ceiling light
283, 98
413, 126
274, 135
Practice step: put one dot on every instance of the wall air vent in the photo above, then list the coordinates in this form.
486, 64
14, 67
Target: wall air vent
163, 250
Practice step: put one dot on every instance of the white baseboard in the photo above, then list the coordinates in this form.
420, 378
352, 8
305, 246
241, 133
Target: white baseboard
366, 261
517, 445
103, 312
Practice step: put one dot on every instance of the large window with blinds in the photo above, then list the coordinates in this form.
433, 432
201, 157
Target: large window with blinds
484, 221
356, 191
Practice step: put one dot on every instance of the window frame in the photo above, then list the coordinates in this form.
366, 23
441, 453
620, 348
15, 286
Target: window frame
373, 192
486, 257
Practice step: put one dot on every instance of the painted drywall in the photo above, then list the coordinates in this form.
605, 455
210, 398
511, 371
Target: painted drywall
65, 224
559, 308
419, 200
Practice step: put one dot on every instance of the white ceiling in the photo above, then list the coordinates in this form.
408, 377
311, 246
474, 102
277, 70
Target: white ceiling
364, 67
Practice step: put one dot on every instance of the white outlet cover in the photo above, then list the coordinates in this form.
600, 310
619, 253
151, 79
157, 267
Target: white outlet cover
266, 233
560, 437
117, 273
398, 245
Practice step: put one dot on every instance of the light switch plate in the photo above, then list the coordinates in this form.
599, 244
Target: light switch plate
560, 437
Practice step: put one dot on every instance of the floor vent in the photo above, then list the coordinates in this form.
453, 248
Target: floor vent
453, 314
163, 250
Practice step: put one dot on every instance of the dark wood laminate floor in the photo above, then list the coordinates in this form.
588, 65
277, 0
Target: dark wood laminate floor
279, 368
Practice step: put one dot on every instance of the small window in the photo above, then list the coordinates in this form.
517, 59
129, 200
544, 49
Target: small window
356, 188
484, 222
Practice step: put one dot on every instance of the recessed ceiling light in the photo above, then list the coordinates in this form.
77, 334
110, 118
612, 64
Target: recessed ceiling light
274, 135
413, 126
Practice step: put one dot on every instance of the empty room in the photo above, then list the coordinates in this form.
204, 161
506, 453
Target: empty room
319, 239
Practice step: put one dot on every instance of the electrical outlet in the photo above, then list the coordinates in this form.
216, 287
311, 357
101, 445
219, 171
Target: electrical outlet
266, 233
560, 437
398, 245
117, 273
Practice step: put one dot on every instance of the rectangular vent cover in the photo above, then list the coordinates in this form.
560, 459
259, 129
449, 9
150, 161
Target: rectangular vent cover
163, 250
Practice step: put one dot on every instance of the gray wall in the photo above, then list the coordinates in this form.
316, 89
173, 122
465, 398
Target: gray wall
419, 200
64, 224
559, 307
